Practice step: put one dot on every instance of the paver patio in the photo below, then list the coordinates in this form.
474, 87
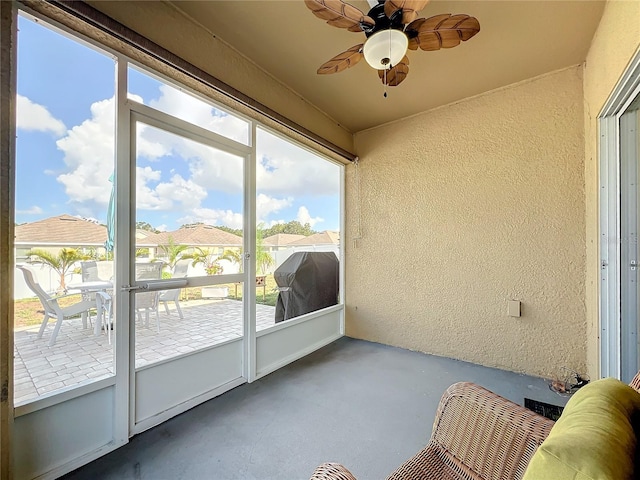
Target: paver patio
80, 357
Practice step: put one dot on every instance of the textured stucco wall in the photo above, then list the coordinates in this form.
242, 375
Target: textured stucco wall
463, 208
166, 26
616, 41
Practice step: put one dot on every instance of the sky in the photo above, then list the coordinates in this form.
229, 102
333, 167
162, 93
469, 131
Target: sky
65, 148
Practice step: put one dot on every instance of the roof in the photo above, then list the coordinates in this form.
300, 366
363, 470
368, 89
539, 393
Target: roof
323, 238
194, 235
281, 239
141, 233
61, 230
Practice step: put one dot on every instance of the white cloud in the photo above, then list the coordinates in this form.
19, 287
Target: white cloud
304, 217
213, 169
34, 210
209, 167
89, 155
150, 142
146, 197
198, 112
285, 168
266, 205
161, 228
283, 172
186, 193
36, 117
212, 216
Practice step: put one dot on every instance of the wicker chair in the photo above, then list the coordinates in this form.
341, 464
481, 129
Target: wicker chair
476, 435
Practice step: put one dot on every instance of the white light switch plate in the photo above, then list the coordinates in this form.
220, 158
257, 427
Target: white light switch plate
513, 308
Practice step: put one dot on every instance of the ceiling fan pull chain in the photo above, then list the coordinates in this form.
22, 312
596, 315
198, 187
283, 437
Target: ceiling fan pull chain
385, 83
387, 69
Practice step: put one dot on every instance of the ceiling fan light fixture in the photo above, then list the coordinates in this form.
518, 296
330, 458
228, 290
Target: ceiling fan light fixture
385, 48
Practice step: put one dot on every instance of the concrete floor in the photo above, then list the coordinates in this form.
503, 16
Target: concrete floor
365, 405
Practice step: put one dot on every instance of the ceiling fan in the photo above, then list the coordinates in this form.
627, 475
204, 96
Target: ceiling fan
391, 27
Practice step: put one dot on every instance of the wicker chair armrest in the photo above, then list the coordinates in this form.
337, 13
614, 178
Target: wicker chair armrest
635, 382
478, 434
332, 471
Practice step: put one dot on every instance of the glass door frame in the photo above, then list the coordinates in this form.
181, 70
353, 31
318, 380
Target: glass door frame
130, 114
610, 261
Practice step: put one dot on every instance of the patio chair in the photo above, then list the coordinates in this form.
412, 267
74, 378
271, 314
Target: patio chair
93, 271
105, 303
52, 308
173, 295
89, 274
89, 271
148, 301
477, 435
105, 269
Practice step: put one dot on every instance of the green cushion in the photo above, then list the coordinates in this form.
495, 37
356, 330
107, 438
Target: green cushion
593, 438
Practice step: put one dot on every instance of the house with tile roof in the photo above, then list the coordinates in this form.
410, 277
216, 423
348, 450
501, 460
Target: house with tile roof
279, 241
327, 237
326, 241
200, 235
55, 233
194, 236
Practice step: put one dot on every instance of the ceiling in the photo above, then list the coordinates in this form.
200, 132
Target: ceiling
518, 40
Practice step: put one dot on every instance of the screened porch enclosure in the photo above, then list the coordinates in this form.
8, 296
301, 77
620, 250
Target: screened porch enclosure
154, 251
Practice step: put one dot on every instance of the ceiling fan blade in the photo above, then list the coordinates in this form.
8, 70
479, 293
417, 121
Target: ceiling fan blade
396, 74
342, 61
441, 31
339, 14
410, 9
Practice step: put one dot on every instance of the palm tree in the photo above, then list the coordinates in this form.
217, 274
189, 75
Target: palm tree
233, 256
208, 258
173, 252
263, 258
61, 263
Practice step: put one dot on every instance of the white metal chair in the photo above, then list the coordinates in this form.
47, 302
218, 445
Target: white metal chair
105, 269
93, 271
173, 295
148, 301
89, 274
105, 304
52, 308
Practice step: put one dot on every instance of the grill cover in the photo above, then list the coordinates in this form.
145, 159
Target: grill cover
308, 281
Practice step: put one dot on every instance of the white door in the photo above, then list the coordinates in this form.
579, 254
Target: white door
629, 251
186, 321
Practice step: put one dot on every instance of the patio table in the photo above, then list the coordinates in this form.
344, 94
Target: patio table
90, 287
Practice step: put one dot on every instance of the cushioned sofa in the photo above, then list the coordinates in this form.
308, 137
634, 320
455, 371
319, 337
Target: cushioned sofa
480, 435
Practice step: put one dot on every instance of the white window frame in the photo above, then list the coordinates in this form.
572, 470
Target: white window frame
610, 325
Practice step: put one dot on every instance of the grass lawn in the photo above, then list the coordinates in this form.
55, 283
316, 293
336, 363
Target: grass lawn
29, 312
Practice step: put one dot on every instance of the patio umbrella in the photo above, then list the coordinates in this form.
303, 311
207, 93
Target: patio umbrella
111, 218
